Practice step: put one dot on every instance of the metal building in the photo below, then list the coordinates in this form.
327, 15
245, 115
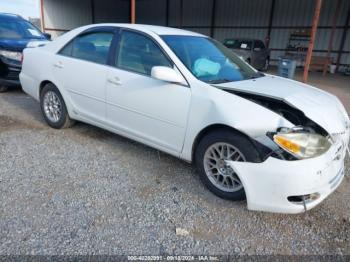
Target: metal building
269, 20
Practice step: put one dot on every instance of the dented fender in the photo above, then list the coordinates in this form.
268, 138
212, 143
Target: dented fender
213, 106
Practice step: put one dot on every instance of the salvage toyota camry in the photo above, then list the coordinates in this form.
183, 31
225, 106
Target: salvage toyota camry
278, 143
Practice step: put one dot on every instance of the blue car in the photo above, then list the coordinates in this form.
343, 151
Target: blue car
15, 34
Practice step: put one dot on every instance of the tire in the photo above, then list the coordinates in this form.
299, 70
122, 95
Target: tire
54, 108
3, 89
246, 151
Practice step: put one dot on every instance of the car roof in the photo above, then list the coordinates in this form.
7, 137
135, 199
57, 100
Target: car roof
60, 41
9, 16
159, 30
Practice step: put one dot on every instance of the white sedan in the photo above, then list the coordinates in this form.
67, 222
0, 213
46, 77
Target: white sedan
278, 143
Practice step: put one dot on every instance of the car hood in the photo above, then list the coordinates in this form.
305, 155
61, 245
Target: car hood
17, 44
318, 105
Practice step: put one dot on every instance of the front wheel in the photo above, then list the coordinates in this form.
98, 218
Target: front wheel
53, 108
210, 158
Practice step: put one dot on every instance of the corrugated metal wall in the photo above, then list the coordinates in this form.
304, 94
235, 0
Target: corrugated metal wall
63, 15
111, 11
233, 18
66, 14
151, 12
242, 14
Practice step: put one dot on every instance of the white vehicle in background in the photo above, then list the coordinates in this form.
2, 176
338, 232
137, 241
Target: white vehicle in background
278, 143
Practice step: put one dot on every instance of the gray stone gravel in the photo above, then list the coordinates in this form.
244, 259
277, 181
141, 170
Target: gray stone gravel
87, 191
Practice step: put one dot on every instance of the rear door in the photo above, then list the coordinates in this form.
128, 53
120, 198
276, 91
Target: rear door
81, 69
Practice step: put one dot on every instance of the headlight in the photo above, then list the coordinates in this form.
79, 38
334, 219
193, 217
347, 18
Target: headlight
11, 55
302, 145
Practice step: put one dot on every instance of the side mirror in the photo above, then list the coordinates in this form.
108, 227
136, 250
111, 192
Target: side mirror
47, 36
166, 74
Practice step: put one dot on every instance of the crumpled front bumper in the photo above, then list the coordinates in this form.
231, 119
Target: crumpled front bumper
269, 184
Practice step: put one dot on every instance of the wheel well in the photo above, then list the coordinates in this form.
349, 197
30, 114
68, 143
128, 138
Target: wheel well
42, 84
213, 128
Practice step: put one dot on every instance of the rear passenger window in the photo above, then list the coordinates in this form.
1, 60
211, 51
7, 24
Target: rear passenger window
139, 53
92, 47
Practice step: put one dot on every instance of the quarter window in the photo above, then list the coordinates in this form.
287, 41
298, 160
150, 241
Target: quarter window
139, 53
92, 47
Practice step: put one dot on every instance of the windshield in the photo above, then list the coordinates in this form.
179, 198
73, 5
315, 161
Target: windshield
238, 44
12, 29
209, 60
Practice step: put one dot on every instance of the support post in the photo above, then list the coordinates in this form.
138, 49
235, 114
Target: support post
132, 11
42, 16
343, 38
272, 11
312, 40
213, 15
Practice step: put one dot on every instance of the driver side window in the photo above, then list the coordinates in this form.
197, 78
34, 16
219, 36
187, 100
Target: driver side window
139, 54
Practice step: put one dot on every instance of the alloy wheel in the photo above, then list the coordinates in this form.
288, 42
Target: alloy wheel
218, 171
52, 106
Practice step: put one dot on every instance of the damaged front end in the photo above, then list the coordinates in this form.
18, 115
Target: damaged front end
300, 165
279, 143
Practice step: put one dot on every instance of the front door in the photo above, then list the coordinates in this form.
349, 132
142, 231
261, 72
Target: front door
152, 111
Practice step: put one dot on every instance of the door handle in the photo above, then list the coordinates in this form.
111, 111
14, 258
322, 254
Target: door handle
58, 65
114, 80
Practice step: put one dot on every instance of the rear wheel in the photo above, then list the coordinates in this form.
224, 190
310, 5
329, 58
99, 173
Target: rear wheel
3, 89
53, 108
210, 158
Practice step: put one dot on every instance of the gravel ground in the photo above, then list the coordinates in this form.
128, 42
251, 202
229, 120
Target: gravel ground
87, 191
